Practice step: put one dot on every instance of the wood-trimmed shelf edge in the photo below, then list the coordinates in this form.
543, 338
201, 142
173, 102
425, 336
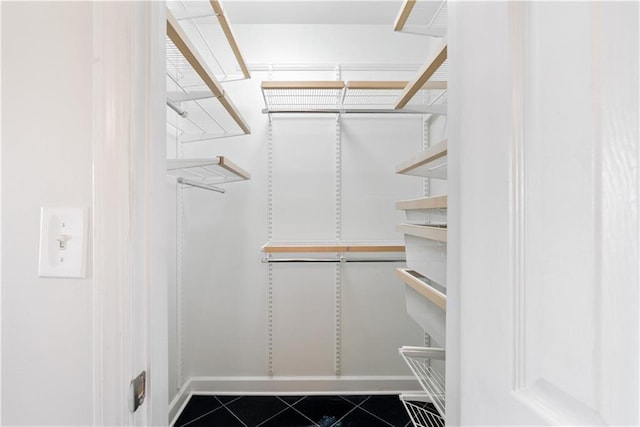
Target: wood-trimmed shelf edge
432, 294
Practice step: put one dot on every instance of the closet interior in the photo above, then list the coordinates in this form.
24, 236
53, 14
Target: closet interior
327, 256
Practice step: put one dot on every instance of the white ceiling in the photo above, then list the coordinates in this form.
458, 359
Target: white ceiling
371, 12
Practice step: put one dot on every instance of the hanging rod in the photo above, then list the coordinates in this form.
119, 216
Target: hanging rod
178, 110
329, 260
197, 184
440, 109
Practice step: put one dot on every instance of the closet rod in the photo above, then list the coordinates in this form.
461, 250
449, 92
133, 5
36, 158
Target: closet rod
174, 107
330, 260
197, 184
428, 109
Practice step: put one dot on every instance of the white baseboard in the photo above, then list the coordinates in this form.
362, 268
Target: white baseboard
290, 385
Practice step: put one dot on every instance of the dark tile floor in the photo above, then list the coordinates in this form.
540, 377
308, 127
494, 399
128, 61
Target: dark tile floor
294, 411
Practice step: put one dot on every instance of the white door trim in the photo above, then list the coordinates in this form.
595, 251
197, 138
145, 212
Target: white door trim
129, 168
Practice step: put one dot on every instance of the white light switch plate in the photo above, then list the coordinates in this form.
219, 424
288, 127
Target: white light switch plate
63, 242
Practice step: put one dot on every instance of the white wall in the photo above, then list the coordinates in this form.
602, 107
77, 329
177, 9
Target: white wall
225, 293
46, 161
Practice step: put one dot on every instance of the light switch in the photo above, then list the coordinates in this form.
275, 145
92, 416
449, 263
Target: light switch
63, 242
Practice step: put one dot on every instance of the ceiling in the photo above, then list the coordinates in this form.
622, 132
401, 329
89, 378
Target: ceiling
367, 12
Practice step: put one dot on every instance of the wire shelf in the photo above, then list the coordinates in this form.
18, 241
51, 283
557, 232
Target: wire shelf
356, 96
429, 18
432, 381
201, 110
431, 163
206, 26
421, 413
206, 172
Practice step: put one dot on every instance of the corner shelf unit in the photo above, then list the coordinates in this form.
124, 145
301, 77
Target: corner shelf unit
431, 163
336, 96
423, 17
203, 109
427, 364
206, 173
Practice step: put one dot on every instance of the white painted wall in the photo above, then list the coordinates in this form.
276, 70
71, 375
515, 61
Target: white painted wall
224, 294
46, 161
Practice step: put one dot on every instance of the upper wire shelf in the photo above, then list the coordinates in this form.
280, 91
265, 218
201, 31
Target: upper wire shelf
206, 25
203, 108
424, 17
335, 96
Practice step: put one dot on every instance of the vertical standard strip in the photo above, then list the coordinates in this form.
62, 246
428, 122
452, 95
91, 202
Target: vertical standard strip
269, 238
426, 192
338, 266
180, 282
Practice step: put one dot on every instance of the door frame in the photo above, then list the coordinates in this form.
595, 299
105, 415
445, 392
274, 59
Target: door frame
129, 163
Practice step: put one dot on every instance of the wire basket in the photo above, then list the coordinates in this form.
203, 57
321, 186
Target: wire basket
421, 413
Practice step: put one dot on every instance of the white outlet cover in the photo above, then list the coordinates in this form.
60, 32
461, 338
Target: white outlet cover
63, 242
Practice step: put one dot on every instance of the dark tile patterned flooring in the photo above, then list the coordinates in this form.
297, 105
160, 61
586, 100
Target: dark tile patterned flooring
294, 411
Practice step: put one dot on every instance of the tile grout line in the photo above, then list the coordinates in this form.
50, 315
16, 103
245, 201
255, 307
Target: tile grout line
355, 406
201, 416
275, 415
224, 405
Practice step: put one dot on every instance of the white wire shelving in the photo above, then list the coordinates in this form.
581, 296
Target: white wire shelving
420, 411
430, 163
429, 375
203, 109
336, 96
426, 17
206, 25
206, 173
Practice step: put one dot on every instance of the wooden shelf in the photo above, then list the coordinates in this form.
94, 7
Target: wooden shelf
334, 248
425, 17
218, 170
425, 73
403, 15
189, 71
430, 163
438, 234
434, 202
413, 279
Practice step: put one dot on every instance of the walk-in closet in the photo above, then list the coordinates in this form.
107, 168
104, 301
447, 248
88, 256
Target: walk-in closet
293, 213
292, 270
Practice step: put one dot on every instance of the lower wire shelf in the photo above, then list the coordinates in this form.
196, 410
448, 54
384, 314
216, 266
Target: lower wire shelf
428, 367
421, 413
